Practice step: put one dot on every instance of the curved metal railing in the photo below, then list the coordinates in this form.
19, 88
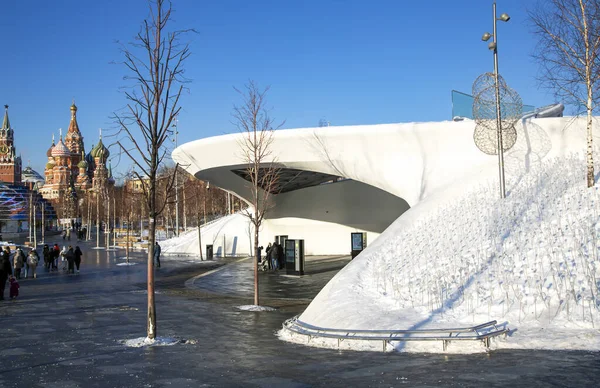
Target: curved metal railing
483, 332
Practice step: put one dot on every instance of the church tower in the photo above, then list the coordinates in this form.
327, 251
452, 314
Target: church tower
10, 163
74, 141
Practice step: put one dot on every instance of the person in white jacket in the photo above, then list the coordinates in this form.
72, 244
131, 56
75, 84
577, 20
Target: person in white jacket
33, 259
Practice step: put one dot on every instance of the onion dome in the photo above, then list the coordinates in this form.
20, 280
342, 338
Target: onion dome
90, 160
100, 151
60, 149
49, 153
82, 164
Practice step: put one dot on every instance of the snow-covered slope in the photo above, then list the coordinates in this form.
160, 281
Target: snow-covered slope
530, 261
229, 234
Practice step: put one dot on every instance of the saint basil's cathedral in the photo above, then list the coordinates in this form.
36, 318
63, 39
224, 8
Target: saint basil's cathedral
69, 170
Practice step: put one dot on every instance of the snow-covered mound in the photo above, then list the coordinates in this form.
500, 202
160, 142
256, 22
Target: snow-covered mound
530, 261
229, 234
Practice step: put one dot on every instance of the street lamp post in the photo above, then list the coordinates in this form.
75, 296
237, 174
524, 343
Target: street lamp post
494, 47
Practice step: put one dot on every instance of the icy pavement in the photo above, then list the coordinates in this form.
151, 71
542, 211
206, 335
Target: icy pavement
65, 331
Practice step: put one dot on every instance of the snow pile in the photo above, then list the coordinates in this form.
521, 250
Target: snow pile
530, 261
145, 341
253, 307
230, 231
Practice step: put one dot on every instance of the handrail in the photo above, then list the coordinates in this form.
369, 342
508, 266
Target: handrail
453, 330
471, 333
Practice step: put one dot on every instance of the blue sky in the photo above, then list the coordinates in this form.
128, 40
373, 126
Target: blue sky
350, 62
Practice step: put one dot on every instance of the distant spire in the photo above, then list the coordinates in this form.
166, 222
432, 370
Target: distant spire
60, 133
100, 130
52, 139
6, 122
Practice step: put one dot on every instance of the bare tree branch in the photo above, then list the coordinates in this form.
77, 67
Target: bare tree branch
568, 52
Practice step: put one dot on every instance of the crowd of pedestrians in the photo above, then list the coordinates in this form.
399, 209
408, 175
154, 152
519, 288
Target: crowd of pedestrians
16, 266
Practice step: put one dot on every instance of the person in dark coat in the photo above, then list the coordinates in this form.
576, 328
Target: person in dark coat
268, 254
78, 255
5, 271
47, 257
275, 256
70, 255
157, 254
55, 256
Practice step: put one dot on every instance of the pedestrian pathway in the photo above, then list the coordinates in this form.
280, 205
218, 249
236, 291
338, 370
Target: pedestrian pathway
66, 331
237, 279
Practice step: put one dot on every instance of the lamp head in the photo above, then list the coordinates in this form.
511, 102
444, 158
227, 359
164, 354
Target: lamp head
492, 46
504, 17
486, 36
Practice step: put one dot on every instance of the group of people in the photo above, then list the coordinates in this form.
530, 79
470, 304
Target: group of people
273, 256
26, 265
12, 271
71, 258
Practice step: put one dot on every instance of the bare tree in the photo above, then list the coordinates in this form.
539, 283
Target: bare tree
256, 126
155, 61
568, 53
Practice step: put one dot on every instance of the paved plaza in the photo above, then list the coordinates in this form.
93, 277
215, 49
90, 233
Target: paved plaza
65, 331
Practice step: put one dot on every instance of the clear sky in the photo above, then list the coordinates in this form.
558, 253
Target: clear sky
350, 62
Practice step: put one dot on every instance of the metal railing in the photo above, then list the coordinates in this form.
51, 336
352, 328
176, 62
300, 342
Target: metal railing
483, 332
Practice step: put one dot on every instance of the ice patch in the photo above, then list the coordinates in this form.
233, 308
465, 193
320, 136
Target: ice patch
253, 307
145, 341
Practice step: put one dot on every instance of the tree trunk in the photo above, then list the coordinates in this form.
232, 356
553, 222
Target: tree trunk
198, 223
256, 299
590, 155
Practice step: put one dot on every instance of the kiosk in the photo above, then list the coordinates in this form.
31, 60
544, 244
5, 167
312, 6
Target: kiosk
358, 243
294, 257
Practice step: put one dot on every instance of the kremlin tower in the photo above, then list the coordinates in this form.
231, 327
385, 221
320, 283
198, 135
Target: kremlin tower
10, 163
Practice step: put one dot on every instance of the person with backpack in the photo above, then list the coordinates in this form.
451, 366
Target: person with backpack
32, 260
70, 257
5, 271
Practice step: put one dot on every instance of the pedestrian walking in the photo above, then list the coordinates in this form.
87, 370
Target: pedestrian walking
47, 257
275, 256
157, 254
13, 288
5, 271
70, 256
18, 262
78, 255
32, 260
63, 257
268, 255
55, 256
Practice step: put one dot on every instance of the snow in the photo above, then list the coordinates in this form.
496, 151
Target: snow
125, 264
530, 261
212, 233
145, 341
253, 307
